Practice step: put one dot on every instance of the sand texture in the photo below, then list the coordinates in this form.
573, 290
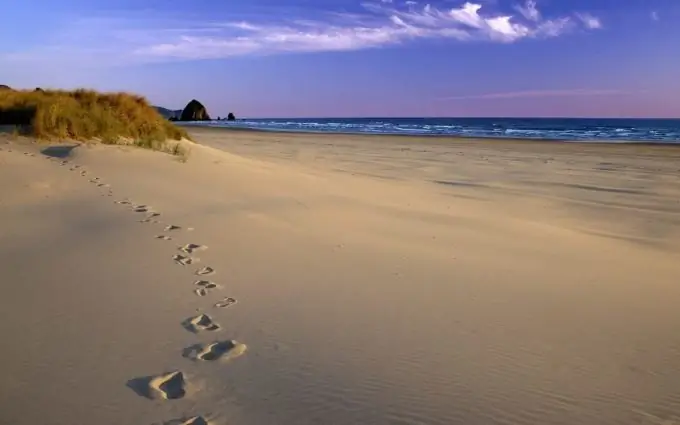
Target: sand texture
373, 280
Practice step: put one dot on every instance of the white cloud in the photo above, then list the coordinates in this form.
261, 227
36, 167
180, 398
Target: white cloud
382, 23
590, 21
529, 11
655, 15
468, 15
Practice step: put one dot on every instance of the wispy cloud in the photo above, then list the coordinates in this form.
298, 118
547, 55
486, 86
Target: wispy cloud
590, 21
654, 15
544, 93
382, 23
529, 11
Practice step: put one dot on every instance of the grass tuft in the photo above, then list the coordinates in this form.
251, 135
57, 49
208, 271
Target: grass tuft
86, 115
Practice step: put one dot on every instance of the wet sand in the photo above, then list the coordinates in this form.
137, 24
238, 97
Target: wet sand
347, 280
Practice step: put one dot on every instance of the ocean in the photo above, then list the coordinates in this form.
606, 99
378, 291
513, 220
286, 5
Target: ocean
563, 129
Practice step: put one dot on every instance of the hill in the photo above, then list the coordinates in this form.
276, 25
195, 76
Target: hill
168, 113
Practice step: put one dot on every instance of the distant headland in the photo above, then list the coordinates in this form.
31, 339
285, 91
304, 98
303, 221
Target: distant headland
194, 111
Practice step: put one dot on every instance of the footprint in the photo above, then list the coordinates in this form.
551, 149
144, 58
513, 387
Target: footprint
140, 208
183, 260
150, 218
171, 227
103, 185
220, 350
205, 271
196, 420
204, 286
170, 386
200, 323
191, 247
227, 302
123, 202
163, 237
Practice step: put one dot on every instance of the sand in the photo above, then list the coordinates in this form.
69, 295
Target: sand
281, 278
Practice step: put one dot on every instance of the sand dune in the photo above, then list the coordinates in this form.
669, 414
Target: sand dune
380, 280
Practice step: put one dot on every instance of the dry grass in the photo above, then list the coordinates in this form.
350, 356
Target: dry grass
86, 115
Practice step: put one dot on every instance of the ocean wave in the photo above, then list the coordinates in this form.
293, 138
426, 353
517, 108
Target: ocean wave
605, 130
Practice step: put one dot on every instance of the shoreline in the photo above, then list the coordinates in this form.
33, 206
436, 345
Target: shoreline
674, 144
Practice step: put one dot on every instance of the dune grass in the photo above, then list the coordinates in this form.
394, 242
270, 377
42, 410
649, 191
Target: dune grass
86, 115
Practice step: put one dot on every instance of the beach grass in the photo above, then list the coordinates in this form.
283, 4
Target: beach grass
87, 115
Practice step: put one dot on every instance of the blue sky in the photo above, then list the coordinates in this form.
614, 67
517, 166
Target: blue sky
291, 58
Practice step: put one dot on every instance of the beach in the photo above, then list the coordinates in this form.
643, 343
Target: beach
345, 279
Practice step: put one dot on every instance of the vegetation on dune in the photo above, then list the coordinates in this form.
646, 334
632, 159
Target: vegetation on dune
86, 115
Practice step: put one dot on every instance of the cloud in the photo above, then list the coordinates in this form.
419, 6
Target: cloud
590, 21
543, 93
654, 15
380, 23
529, 11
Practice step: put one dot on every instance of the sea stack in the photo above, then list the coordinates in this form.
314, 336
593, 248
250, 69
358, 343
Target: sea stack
194, 111
231, 117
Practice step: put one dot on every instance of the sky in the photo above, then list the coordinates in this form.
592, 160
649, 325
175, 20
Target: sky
348, 58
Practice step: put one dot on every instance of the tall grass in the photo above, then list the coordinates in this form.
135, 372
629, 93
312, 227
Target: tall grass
86, 115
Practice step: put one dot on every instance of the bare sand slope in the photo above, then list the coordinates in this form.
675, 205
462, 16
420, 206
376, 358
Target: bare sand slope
513, 291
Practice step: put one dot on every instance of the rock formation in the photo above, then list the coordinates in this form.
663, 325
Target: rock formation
231, 117
194, 111
4, 87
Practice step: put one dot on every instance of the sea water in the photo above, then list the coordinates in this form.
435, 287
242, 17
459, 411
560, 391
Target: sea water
563, 129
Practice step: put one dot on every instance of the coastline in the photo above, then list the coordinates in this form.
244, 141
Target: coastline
451, 137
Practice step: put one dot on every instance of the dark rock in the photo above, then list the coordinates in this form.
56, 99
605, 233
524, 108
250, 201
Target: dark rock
38, 89
231, 117
194, 111
4, 87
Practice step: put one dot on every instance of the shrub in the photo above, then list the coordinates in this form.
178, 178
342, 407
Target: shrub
114, 118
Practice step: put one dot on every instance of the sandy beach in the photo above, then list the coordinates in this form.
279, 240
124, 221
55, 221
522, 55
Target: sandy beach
280, 278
